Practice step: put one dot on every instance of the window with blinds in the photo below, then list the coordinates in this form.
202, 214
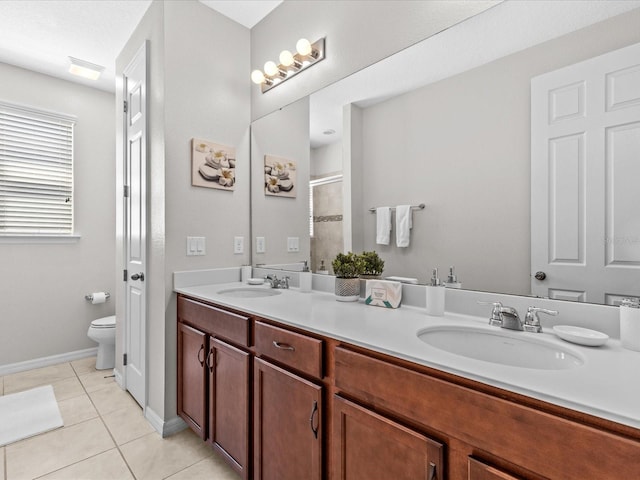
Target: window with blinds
36, 172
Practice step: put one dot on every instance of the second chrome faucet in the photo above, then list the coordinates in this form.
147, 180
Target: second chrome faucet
507, 317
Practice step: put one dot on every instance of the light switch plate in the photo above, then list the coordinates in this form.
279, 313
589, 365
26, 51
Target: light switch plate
260, 245
196, 246
238, 245
293, 244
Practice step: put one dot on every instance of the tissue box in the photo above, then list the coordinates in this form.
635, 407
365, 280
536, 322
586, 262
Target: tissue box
383, 293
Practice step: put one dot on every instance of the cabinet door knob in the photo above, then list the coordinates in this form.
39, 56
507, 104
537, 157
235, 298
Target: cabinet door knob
138, 276
540, 276
314, 409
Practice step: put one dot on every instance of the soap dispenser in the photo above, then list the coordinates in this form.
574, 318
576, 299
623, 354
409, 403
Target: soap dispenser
452, 280
305, 278
435, 296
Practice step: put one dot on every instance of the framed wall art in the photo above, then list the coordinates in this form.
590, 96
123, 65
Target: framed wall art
279, 176
213, 165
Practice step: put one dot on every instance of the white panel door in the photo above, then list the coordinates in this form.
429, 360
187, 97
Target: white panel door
135, 84
585, 180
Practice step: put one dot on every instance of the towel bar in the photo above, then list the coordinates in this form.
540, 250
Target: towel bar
413, 207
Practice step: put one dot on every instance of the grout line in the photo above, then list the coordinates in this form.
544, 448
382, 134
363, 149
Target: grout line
124, 459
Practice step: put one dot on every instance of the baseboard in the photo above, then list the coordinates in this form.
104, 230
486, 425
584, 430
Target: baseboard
164, 428
46, 361
118, 378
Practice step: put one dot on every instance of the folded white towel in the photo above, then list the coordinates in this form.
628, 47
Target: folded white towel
404, 223
383, 225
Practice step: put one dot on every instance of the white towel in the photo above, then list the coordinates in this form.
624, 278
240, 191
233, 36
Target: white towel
404, 223
383, 225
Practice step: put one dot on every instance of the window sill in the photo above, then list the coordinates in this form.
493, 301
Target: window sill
38, 239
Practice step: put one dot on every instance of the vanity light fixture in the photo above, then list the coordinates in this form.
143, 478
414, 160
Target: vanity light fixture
85, 69
291, 64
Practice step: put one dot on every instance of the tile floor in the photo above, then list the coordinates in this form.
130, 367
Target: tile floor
105, 436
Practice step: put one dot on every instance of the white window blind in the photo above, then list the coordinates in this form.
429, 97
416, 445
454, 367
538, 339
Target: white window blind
36, 172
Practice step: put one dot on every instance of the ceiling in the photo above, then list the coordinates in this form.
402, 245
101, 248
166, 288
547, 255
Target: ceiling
40, 35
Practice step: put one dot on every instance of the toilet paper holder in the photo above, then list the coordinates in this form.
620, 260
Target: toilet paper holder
89, 297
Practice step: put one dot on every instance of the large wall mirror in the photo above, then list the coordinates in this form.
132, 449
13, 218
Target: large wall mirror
446, 123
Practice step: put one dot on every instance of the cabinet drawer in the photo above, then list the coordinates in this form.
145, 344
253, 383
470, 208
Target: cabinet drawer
292, 349
500, 426
214, 321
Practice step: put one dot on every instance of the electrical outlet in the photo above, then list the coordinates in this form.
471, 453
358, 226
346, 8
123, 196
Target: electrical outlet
260, 245
238, 245
293, 244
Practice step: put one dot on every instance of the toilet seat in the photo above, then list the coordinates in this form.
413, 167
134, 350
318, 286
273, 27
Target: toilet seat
105, 322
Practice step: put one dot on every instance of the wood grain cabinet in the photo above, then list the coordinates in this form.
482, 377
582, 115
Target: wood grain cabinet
280, 404
287, 420
214, 379
229, 395
192, 378
288, 408
481, 471
367, 445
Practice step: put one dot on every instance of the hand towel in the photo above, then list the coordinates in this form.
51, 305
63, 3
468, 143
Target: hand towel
383, 225
404, 223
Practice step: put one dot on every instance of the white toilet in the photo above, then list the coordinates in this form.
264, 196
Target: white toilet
103, 331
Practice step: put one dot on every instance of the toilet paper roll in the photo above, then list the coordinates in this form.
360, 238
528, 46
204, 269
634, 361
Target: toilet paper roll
98, 297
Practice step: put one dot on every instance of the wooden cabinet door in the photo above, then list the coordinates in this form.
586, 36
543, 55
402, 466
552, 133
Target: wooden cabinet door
287, 420
367, 445
229, 403
192, 380
482, 471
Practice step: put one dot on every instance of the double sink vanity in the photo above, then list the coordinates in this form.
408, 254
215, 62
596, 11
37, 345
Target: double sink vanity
292, 385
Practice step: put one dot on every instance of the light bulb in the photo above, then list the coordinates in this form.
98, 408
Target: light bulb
286, 58
257, 77
270, 68
303, 47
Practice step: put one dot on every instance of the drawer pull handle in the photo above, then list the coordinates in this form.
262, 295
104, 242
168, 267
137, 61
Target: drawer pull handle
283, 346
432, 474
199, 352
314, 409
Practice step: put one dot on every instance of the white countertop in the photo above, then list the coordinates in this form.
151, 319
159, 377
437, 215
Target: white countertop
606, 386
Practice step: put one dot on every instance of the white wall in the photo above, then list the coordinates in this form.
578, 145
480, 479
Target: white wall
358, 33
462, 147
199, 87
326, 160
43, 311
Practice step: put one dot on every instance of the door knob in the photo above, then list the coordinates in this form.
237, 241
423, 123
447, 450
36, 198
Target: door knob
138, 276
540, 275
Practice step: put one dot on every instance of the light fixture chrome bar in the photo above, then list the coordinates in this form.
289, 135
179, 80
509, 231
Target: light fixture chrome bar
301, 63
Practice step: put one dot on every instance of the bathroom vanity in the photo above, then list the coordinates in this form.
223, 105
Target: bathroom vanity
299, 386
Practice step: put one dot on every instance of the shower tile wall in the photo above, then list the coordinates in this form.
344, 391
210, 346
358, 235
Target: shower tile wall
327, 240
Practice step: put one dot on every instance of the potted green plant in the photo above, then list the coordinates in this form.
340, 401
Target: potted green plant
347, 267
373, 265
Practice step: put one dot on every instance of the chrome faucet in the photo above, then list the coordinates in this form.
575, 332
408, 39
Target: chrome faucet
531, 320
504, 317
511, 319
276, 282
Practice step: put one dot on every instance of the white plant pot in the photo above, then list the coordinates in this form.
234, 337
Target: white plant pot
347, 289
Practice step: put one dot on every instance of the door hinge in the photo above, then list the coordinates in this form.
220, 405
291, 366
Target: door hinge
125, 274
124, 359
126, 191
126, 106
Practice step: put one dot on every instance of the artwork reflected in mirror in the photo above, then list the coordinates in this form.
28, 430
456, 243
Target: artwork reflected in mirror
213, 165
279, 176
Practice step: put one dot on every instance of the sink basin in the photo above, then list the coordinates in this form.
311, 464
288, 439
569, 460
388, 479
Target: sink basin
515, 349
249, 292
